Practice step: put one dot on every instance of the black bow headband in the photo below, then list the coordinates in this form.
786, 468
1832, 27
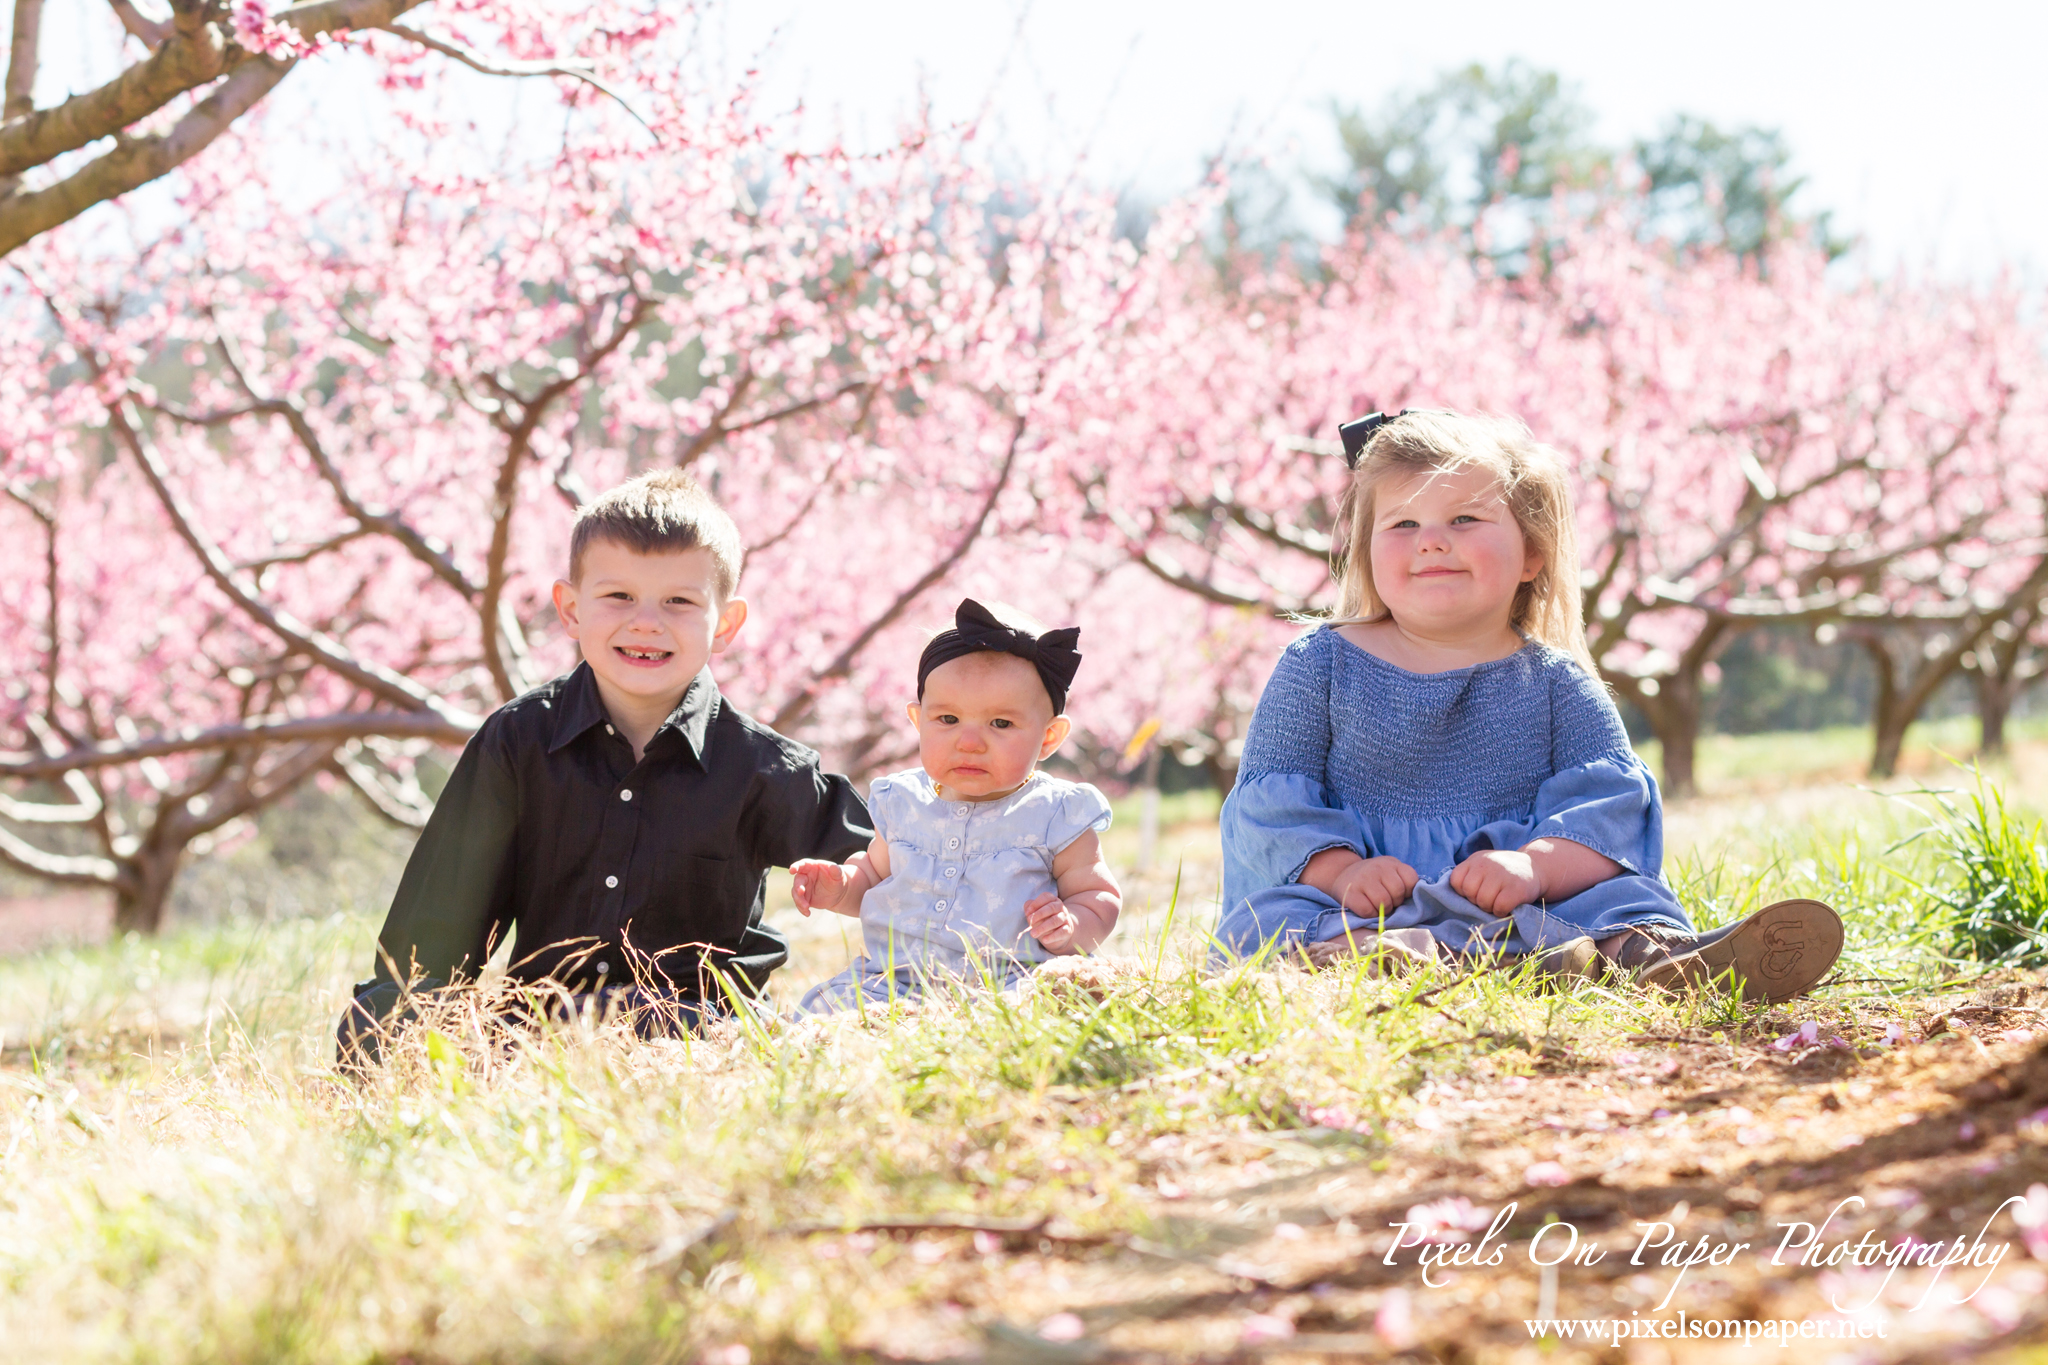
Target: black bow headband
976, 630
1356, 433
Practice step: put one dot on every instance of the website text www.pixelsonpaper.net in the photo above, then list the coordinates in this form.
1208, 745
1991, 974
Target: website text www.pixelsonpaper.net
1746, 1331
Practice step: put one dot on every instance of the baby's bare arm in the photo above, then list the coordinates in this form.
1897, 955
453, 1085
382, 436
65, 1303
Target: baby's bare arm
1088, 893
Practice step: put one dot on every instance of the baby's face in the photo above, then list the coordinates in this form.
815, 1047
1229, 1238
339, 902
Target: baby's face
1447, 553
984, 724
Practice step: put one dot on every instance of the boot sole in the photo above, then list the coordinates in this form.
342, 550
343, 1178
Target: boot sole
1781, 951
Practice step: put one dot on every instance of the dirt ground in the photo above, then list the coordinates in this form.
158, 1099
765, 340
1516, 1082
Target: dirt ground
1886, 1126
1711, 1151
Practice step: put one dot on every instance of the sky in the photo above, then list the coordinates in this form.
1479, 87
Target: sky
1920, 126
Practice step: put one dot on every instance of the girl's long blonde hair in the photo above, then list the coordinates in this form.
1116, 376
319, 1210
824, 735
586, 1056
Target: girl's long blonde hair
1534, 485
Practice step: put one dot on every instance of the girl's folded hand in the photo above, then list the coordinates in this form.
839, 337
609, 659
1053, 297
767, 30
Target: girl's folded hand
1371, 886
1498, 881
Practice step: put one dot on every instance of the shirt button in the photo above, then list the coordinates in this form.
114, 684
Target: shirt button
959, 810
626, 795
611, 881
608, 730
952, 843
938, 905
952, 872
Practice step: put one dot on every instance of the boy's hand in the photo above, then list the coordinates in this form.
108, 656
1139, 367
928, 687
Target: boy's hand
1372, 885
815, 882
1499, 881
1052, 924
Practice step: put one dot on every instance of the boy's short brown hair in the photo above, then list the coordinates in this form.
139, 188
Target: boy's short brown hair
660, 513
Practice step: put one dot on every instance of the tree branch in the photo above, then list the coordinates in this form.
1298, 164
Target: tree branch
400, 802
799, 706
380, 681
22, 59
192, 51
257, 730
433, 555
150, 31
137, 161
56, 867
576, 71
186, 60
497, 624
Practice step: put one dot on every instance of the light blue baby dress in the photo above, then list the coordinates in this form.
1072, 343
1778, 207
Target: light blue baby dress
960, 873
1348, 751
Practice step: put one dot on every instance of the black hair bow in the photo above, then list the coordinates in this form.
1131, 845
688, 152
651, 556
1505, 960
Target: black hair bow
976, 630
1356, 433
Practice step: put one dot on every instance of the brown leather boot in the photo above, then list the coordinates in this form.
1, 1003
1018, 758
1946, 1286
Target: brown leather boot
1781, 951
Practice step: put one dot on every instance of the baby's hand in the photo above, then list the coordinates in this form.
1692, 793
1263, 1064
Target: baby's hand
1052, 924
815, 882
1499, 881
1373, 885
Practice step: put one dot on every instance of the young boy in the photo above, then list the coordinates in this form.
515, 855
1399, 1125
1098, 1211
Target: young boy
619, 822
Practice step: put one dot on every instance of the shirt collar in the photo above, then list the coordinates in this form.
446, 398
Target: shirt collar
578, 707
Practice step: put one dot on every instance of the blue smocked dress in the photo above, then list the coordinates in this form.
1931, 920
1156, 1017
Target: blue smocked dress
960, 874
1348, 751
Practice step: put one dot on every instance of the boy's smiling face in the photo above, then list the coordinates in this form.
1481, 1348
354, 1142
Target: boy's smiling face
647, 624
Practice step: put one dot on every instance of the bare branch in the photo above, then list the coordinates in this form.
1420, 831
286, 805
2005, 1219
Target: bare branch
401, 802
137, 161
799, 706
576, 71
150, 31
774, 415
195, 51
257, 730
48, 813
499, 627
1313, 543
1166, 571
22, 59
127, 426
185, 61
56, 867
301, 555
428, 552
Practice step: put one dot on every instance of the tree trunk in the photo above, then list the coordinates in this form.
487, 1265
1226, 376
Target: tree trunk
1674, 713
1889, 717
1995, 696
145, 895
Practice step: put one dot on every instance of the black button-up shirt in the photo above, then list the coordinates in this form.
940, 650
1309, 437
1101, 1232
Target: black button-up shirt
550, 830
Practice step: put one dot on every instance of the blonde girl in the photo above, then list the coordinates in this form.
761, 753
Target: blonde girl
1437, 771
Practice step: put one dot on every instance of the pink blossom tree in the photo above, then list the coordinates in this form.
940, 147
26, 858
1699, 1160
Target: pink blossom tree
1753, 442
184, 78
345, 458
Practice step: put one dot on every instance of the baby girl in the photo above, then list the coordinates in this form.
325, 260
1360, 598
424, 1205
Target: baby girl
982, 866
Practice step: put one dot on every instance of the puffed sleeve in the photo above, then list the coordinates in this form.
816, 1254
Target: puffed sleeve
1080, 808
1280, 814
1599, 793
1611, 806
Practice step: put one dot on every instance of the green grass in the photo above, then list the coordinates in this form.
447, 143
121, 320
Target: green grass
187, 1179
1837, 751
